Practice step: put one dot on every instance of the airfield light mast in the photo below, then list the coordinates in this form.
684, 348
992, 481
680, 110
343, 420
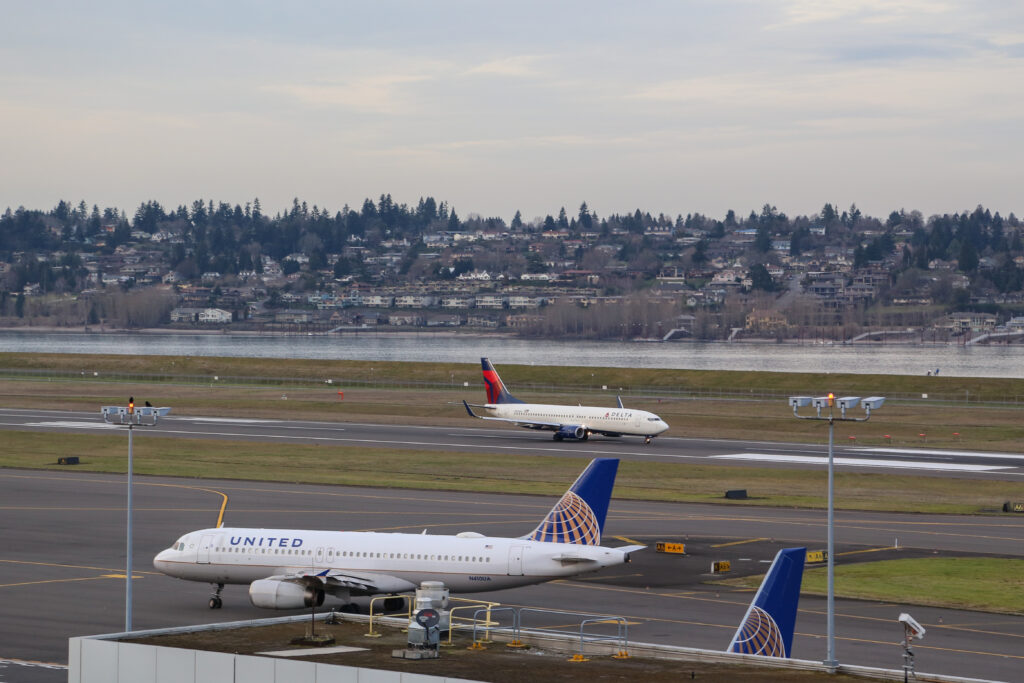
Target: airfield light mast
134, 416
829, 402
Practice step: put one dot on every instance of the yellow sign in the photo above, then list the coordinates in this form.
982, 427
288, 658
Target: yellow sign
816, 556
665, 547
720, 566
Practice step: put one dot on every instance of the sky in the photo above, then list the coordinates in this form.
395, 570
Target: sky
671, 107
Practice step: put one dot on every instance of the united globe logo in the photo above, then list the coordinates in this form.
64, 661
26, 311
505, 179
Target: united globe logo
759, 635
570, 521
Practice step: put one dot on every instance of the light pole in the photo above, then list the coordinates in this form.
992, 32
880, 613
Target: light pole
830, 401
134, 416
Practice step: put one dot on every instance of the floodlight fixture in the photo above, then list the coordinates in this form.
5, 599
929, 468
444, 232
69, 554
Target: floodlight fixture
872, 403
828, 402
134, 415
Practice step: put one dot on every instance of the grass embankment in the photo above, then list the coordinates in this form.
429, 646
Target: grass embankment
544, 475
982, 583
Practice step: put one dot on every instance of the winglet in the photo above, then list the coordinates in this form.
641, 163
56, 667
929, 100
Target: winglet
579, 515
767, 628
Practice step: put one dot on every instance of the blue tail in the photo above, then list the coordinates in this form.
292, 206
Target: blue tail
579, 516
767, 627
496, 391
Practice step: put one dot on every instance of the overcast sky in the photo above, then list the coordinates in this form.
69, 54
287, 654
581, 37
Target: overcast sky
671, 107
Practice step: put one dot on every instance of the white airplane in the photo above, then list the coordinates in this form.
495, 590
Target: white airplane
567, 422
291, 569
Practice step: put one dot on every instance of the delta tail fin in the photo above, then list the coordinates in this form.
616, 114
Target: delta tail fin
496, 391
767, 627
579, 515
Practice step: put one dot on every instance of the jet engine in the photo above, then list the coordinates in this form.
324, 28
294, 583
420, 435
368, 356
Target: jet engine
275, 594
572, 432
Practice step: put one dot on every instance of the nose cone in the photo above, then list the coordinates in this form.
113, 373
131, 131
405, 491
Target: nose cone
161, 561
662, 426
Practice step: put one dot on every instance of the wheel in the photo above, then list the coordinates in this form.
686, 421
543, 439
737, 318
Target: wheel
647, 440
586, 435
215, 603
557, 437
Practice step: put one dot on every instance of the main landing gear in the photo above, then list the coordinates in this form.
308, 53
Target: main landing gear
215, 601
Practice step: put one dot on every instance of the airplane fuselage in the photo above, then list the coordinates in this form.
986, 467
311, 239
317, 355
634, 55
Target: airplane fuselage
624, 421
385, 562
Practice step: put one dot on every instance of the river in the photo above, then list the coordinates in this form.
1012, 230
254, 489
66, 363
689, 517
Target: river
896, 359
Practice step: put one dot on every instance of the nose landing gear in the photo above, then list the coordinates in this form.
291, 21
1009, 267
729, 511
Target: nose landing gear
215, 600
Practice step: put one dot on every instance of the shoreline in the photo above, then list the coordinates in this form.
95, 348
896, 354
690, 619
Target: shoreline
483, 334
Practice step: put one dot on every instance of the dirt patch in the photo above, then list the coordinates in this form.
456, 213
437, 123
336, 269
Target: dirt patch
496, 664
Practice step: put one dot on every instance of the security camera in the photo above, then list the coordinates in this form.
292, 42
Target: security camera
799, 401
914, 629
847, 402
872, 403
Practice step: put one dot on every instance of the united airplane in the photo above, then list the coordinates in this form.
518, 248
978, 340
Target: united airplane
567, 422
767, 627
291, 569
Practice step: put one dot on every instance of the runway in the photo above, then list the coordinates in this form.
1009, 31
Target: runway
471, 438
62, 568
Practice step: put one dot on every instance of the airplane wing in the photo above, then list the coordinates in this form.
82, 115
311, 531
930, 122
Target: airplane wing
332, 581
532, 424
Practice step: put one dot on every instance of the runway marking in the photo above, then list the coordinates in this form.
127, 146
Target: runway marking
76, 566
69, 424
31, 663
869, 550
749, 540
630, 541
82, 578
226, 420
925, 451
862, 462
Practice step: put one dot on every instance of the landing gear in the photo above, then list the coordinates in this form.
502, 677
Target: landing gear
586, 435
647, 440
557, 437
215, 601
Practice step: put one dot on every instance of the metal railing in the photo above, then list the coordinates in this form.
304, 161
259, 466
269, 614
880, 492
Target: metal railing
584, 636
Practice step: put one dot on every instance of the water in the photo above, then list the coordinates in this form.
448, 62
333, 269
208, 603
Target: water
897, 359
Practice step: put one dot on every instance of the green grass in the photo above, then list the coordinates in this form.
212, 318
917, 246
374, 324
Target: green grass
457, 471
985, 584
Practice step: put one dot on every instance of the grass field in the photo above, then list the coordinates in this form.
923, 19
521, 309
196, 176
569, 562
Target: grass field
79, 382
986, 584
458, 471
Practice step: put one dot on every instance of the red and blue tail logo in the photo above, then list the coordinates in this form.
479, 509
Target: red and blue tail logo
496, 392
767, 628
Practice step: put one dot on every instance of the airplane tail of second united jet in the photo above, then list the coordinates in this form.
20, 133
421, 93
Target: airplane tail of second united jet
496, 391
767, 628
579, 515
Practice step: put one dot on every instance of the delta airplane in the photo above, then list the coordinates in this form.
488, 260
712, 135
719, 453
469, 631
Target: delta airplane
291, 569
567, 422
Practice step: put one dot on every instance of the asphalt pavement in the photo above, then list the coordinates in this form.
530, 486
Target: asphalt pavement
62, 566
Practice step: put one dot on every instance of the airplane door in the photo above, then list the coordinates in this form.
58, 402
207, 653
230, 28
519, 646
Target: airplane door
319, 558
515, 560
205, 543
637, 420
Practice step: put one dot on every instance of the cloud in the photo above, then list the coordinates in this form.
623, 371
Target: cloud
799, 12
520, 66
